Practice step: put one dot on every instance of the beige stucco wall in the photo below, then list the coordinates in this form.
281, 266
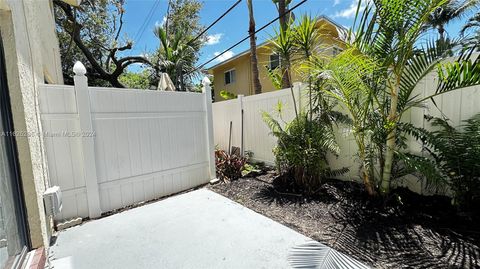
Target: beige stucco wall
32, 57
242, 80
242, 65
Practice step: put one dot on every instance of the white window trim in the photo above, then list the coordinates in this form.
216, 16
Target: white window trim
228, 71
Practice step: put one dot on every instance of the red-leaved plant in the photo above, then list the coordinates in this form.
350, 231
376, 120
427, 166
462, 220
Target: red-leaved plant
229, 166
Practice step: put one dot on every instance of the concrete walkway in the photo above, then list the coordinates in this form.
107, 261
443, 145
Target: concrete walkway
199, 229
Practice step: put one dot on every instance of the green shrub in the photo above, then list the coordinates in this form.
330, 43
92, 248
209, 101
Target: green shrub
301, 150
456, 155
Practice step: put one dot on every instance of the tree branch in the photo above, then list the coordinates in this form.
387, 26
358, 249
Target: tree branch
99, 71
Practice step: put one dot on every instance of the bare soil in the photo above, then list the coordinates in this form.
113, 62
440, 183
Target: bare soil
408, 231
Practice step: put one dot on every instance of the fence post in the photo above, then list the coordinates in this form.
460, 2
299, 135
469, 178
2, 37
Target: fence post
241, 124
207, 92
88, 144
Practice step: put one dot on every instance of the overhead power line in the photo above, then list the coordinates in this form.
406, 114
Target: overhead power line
247, 37
213, 23
145, 23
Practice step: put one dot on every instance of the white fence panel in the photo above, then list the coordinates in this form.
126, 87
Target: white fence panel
65, 161
224, 113
256, 135
258, 139
457, 106
142, 144
149, 144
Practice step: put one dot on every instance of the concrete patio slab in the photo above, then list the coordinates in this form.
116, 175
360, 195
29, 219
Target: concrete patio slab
199, 229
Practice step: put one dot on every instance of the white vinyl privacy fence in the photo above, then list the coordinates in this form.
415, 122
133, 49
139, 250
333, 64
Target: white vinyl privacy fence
108, 148
251, 132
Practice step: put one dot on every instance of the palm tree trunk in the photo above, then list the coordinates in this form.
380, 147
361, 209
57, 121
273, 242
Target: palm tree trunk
285, 78
441, 33
391, 141
282, 9
365, 170
253, 49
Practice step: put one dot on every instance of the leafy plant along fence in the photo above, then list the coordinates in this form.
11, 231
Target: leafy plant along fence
108, 148
456, 106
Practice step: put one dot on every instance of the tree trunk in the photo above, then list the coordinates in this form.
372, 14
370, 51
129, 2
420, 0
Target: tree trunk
391, 141
282, 9
441, 33
253, 50
365, 171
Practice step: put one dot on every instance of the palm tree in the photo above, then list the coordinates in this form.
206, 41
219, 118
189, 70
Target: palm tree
176, 57
285, 22
448, 12
385, 64
400, 25
253, 49
344, 78
283, 45
473, 23
306, 39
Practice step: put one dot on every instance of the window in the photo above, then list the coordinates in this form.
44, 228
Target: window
230, 76
274, 61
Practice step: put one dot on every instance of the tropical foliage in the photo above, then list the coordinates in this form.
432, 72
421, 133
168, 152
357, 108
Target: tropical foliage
302, 149
375, 78
136, 80
93, 34
226, 95
449, 11
176, 56
473, 25
455, 153
180, 44
229, 166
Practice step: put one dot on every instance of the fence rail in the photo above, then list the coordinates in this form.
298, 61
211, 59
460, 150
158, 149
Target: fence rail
108, 148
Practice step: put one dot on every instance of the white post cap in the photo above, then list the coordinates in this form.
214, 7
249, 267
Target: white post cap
79, 69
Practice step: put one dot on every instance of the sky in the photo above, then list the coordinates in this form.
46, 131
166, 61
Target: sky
234, 26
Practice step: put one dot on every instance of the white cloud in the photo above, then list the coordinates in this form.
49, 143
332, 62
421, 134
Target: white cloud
351, 10
336, 2
227, 55
214, 39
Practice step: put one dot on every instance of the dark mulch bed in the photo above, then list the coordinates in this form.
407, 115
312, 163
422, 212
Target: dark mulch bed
411, 231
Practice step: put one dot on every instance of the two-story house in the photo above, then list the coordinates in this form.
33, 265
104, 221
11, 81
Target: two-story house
234, 75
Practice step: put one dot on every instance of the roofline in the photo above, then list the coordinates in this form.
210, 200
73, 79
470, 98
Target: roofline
245, 52
268, 41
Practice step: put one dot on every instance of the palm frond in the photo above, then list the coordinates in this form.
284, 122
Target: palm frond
272, 123
316, 255
463, 72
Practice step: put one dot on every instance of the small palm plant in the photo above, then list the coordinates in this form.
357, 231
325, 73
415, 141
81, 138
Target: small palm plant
302, 149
